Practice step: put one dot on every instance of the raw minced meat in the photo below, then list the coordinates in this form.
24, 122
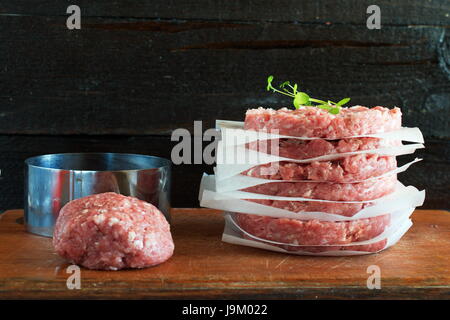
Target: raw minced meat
111, 231
312, 232
349, 169
367, 190
317, 123
308, 149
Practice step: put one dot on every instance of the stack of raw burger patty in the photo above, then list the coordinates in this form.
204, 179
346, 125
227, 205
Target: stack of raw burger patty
348, 178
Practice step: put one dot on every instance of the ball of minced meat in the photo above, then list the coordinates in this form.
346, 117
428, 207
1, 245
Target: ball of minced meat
110, 231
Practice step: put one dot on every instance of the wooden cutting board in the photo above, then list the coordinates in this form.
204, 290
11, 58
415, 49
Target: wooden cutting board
204, 267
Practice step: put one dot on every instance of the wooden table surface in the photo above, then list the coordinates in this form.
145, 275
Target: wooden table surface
204, 267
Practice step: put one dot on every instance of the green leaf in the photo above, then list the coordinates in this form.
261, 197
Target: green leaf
343, 101
302, 97
296, 103
295, 89
284, 84
334, 110
269, 83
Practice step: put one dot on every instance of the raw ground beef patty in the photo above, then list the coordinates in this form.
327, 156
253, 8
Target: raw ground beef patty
368, 190
349, 169
111, 231
308, 149
312, 232
317, 123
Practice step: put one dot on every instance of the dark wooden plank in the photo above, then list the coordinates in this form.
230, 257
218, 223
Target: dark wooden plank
204, 267
430, 12
120, 76
432, 174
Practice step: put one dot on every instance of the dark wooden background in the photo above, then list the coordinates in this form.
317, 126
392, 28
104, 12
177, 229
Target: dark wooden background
139, 69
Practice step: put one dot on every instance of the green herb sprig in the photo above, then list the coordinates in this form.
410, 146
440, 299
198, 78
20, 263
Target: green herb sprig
302, 99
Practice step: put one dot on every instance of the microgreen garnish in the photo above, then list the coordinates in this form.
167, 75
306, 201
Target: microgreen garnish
302, 99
